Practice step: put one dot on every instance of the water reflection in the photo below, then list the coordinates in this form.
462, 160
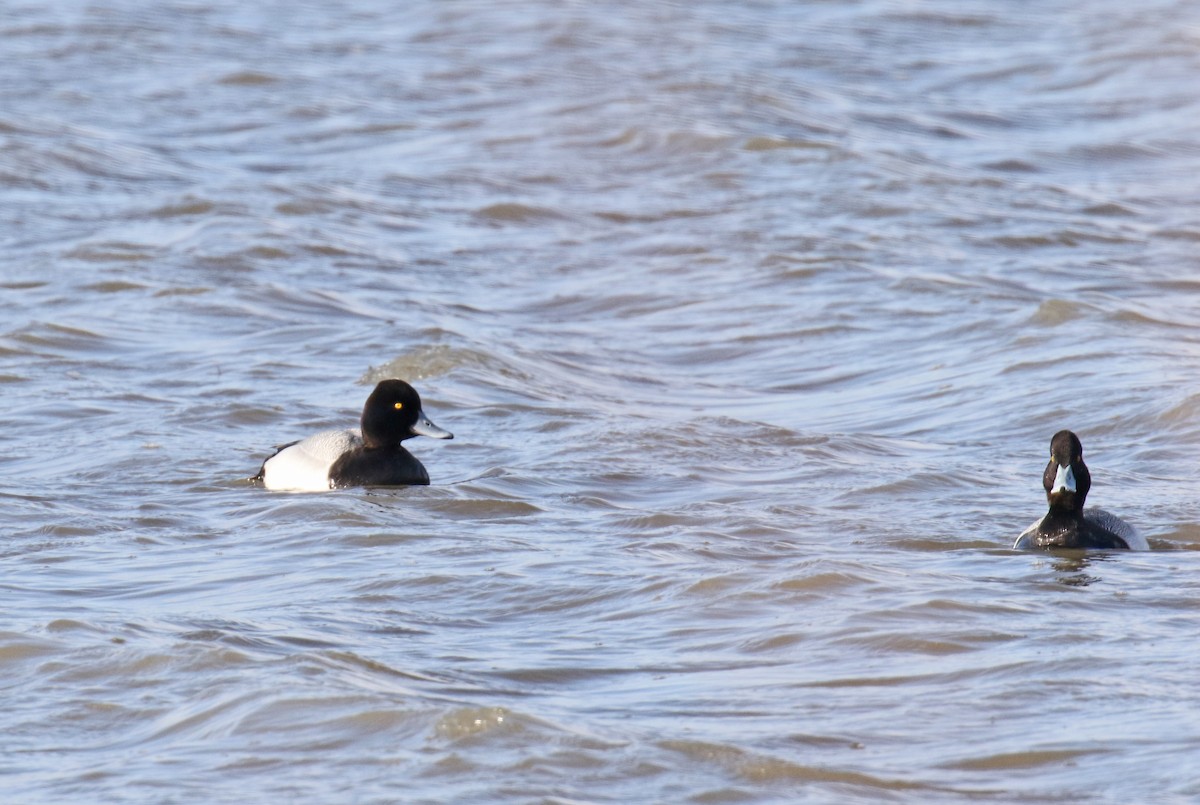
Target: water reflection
1071, 567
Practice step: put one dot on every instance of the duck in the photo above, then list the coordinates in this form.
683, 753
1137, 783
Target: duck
1067, 524
370, 456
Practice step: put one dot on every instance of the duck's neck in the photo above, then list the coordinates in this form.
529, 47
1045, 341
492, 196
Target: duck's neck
374, 440
384, 447
1060, 525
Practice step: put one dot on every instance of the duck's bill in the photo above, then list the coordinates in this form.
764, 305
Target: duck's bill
424, 427
1064, 479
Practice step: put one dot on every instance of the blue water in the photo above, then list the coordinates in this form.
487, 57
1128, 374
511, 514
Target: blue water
752, 323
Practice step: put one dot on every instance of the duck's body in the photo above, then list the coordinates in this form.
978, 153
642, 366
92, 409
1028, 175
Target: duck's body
390, 465
1068, 524
1096, 528
335, 459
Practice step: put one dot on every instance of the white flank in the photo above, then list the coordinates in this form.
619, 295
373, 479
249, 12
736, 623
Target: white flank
304, 466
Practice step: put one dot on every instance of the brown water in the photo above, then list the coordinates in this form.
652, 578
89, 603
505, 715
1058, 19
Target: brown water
752, 323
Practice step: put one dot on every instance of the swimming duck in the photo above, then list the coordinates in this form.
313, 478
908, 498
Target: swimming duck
335, 459
1067, 524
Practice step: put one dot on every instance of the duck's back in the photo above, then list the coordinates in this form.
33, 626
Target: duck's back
303, 466
1115, 525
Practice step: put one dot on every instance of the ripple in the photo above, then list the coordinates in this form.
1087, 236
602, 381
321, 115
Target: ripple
515, 213
1024, 760
766, 768
750, 323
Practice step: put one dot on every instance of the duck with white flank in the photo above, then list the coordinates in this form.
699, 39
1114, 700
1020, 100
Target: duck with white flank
335, 459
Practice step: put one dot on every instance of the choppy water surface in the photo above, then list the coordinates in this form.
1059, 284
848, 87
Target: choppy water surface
752, 322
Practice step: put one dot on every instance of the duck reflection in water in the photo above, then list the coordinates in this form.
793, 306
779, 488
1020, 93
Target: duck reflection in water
1072, 571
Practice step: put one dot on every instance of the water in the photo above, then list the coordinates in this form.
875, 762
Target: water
752, 323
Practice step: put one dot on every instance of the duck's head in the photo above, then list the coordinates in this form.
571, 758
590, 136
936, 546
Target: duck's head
393, 413
1066, 479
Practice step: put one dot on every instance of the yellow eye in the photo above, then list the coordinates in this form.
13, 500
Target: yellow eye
399, 406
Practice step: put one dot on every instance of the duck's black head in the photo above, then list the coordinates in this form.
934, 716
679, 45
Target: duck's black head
1066, 479
393, 413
